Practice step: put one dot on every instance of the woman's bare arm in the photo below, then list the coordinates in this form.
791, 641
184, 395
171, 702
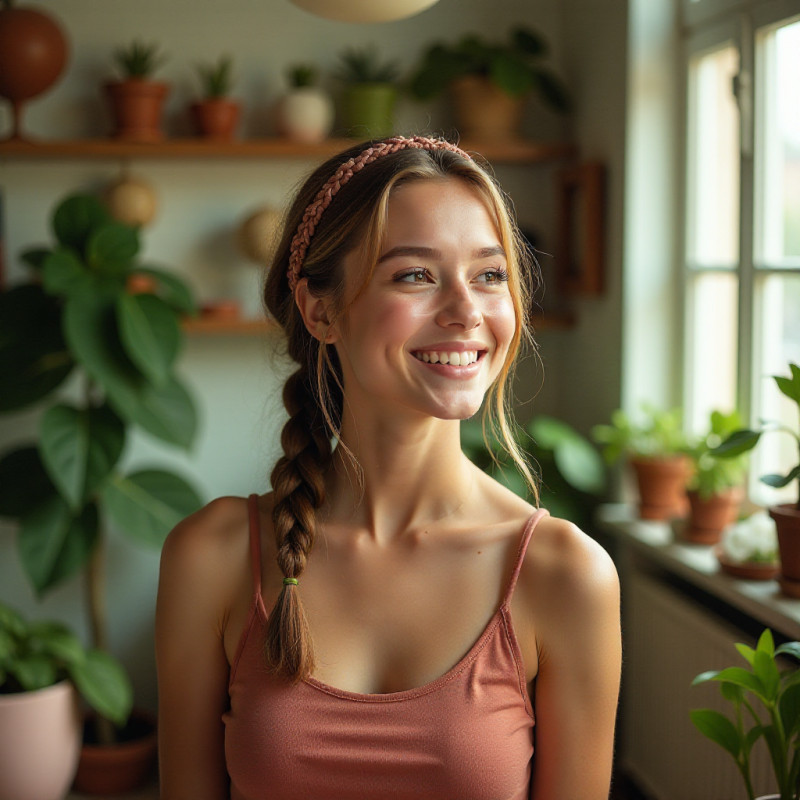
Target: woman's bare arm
193, 596
576, 615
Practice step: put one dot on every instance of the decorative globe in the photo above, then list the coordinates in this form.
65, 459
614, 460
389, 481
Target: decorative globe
132, 201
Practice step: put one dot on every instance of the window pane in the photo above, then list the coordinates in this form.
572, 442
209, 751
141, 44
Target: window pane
778, 320
778, 147
713, 323
713, 176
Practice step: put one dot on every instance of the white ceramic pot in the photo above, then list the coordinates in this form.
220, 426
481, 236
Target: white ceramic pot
40, 741
306, 115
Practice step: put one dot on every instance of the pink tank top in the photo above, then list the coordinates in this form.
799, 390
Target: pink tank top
466, 735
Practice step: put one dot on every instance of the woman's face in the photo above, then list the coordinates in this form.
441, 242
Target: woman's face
430, 331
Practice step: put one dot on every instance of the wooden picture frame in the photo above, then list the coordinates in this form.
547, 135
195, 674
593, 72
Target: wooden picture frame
580, 250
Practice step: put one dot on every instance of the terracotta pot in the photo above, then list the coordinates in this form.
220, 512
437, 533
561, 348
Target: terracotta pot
305, 115
787, 522
368, 110
121, 767
483, 111
40, 740
136, 107
661, 483
216, 118
709, 516
33, 54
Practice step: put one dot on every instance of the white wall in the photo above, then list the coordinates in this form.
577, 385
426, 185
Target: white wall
234, 381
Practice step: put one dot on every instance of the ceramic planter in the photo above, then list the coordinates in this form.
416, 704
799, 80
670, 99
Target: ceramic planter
306, 115
483, 111
216, 118
136, 107
787, 522
661, 483
40, 741
121, 767
368, 110
709, 516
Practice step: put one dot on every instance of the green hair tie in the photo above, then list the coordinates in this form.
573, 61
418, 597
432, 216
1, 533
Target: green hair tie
287, 581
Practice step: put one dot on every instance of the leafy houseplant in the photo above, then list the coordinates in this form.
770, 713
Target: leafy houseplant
119, 349
216, 115
714, 487
370, 93
305, 113
786, 516
137, 100
656, 450
489, 80
766, 704
573, 474
42, 664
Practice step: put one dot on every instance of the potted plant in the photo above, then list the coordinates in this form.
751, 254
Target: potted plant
573, 473
715, 485
787, 515
749, 548
489, 81
137, 100
79, 319
369, 93
216, 115
43, 669
656, 449
766, 705
305, 112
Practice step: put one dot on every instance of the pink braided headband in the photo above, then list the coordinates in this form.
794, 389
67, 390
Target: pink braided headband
313, 214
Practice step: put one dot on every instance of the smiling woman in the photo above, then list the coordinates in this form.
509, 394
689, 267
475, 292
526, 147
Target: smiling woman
389, 620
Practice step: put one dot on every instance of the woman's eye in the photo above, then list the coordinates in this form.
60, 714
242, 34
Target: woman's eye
413, 276
498, 275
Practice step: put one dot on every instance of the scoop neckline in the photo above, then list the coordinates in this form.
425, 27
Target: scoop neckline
410, 694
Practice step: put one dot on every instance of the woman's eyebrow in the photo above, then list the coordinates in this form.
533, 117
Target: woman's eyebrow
431, 253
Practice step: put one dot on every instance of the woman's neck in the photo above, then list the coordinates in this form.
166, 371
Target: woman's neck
401, 478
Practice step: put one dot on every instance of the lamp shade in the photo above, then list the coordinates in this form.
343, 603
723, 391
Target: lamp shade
364, 10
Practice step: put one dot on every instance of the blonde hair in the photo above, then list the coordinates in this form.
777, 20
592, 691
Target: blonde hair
356, 219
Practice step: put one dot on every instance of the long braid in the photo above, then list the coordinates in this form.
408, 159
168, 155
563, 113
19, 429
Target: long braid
299, 490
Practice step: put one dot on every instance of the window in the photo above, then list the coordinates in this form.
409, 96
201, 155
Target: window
742, 218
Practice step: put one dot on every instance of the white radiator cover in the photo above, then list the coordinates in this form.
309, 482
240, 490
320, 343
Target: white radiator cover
668, 640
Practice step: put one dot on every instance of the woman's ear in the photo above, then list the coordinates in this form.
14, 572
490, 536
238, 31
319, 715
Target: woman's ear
314, 311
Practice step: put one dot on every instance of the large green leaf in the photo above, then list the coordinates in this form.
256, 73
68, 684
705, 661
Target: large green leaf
171, 289
35, 257
75, 219
146, 505
790, 386
150, 333
718, 728
789, 708
112, 247
779, 481
737, 443
165, 411
511, 74
80, 448
63, 273
104, 685
34, 359
24, 483
54, 544
581, 465
35, 671
56, 640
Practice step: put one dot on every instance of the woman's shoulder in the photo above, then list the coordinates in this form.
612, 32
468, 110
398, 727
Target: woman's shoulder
210, 547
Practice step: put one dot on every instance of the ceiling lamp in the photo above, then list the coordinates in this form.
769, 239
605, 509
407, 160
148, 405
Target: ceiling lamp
364, 10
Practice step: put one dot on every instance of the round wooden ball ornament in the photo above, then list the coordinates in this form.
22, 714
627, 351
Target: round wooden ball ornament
132, 201
257, 234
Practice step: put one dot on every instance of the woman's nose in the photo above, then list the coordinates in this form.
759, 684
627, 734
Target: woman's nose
459, 308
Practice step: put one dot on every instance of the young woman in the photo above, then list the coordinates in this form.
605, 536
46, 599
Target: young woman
389, 622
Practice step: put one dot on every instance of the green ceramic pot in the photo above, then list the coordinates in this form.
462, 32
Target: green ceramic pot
368, 110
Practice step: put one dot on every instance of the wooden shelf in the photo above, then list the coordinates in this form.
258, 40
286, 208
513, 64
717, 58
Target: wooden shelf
213, 326
511, 152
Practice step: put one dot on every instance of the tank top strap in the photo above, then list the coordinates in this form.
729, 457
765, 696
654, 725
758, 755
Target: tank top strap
255, 542
527, 533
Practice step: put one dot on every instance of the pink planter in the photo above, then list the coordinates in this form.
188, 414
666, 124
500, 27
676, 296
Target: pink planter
40, 741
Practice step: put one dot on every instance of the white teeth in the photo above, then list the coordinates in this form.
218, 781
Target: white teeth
454, 359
